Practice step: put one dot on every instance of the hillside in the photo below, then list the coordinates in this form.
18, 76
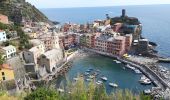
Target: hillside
17, 9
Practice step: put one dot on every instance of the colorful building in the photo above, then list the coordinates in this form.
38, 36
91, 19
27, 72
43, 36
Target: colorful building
6, 72
119, 45
129, 39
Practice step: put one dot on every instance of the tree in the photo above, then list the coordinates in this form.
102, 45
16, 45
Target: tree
2, 59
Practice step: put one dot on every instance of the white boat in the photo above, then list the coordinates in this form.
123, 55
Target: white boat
88, 80
137, 71
143, 78
104, 78
147, 91
99, 82
91, 76
75, 79
118, 62
86, 73
130, 67
113, 85
146, 82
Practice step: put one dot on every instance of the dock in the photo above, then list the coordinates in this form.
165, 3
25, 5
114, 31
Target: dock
164, 60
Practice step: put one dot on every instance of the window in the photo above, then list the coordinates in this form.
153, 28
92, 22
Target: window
3, 78
3, 73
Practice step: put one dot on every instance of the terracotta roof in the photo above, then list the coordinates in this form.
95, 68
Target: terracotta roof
5, 66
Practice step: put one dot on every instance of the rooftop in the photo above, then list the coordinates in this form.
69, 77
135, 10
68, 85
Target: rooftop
36, 42
8, 47
5, 66
52, 53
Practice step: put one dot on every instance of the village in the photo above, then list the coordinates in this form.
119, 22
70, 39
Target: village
51, 46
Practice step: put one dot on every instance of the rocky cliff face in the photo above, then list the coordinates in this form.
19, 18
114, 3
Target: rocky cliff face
18, 9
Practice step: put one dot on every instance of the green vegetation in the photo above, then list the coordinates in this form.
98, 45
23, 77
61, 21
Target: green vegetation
81, 91
23, 41
17, 9
125, 20
2, 59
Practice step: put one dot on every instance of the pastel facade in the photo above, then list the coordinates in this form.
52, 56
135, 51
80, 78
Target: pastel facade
119, 45
9, 51
129, 39
6, 73
2, 36
4, 19
51, 59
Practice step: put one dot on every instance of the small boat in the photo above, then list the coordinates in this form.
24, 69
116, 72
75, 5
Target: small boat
88, 70
118, 62
86, 73
88, 80
137, 71
99, 82
146, 82
113, 85
91, 76
75, 79
104, 78
130, 67
147, 91
143, 78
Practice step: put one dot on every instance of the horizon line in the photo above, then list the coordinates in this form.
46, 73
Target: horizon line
102, 6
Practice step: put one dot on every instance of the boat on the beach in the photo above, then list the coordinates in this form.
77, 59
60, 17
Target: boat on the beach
99, 82
104, 78
113, 85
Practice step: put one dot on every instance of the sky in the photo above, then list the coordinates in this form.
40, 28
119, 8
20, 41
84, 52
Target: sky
91, 3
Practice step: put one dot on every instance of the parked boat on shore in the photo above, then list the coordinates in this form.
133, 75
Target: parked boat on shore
137, 71
118, 62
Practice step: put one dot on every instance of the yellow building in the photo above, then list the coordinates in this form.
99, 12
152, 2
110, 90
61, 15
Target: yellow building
6, 72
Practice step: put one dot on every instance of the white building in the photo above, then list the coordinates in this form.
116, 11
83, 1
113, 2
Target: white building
2, 36
9, 51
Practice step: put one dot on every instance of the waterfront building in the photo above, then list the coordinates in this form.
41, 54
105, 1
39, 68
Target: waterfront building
90, 40
51, 59
102, 43
119, 45
2, 36
67, 40
128, 43
6, 72
8, 51
143, 46
4, 19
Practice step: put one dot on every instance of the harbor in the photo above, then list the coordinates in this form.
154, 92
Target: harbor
103, 70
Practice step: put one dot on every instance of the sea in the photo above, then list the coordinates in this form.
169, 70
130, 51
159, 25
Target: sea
156, 27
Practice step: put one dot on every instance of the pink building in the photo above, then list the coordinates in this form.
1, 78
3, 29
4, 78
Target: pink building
119, 45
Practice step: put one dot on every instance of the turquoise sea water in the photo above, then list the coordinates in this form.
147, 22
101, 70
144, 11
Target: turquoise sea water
156, 27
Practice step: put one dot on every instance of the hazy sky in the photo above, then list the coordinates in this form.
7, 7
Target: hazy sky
91, 3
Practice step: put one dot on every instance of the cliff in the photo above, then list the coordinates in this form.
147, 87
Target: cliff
18, 9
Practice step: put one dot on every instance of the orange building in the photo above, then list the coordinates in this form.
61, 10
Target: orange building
4, 19
6, 72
